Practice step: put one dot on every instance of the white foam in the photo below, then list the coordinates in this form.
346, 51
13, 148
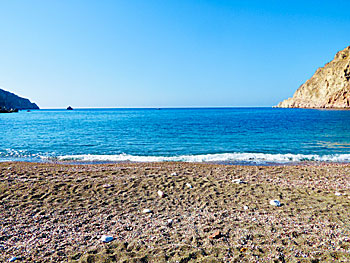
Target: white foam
257, 158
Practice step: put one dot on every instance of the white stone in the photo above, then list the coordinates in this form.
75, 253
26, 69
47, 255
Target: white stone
146, 211
188, 185
160, 193
245, 207
275, 203
338, 194
254, 219
106, 239
173, 174
170, 221
12, 259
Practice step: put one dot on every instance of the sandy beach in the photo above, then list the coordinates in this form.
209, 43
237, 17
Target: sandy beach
58, 213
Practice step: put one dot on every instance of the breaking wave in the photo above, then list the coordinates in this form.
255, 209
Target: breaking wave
231, 158
254, 158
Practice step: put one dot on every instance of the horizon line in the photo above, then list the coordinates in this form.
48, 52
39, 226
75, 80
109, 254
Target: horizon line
157, 107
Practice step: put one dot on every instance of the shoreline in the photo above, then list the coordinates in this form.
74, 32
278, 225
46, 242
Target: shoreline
58, 212
223, 163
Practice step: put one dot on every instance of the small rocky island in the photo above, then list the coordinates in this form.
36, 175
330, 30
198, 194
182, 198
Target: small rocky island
10, 102
329, 87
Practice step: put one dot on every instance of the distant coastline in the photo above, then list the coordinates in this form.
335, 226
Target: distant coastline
10, 102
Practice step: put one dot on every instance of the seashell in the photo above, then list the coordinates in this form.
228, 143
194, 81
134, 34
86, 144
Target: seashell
146, 211
275, 203
188, 185
13, 259
245, 207
173, 174
338, 194
160, 193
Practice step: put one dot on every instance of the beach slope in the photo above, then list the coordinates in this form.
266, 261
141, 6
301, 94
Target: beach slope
197, 213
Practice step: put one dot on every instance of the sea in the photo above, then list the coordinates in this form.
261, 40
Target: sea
249, 136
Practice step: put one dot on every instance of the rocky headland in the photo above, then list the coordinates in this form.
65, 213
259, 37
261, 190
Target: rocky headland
329, 87
10, 102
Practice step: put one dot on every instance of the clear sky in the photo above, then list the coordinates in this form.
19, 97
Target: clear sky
147, 53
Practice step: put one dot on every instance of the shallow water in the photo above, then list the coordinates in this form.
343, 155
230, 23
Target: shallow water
231, 135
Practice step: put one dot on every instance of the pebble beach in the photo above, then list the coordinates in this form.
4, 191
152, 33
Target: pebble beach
174, 212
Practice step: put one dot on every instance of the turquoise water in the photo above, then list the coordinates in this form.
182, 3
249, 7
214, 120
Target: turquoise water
231, 135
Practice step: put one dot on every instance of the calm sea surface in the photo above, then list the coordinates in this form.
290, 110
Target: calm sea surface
231, 135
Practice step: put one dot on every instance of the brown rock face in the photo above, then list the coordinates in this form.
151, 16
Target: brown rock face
329, 87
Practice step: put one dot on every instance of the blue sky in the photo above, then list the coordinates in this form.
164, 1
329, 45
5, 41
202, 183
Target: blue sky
179, 53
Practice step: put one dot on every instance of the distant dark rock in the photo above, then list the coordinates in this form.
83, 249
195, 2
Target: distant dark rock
10, 101
69, 108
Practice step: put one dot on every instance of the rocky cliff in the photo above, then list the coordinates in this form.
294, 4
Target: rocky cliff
329, 87
9, 101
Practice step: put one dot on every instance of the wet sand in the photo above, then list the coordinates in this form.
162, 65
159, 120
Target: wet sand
58, 213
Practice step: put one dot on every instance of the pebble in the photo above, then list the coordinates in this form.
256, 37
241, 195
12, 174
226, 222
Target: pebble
238, 181
160, 193
338, 194
188, 185
12, 259
146, 211
215, 235
243, 249
245, 207
275, 203
173, 174
106, 239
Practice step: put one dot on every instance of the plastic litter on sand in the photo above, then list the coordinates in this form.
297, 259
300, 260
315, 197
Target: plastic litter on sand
275, 203
238, 181
106, 239
12, 259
